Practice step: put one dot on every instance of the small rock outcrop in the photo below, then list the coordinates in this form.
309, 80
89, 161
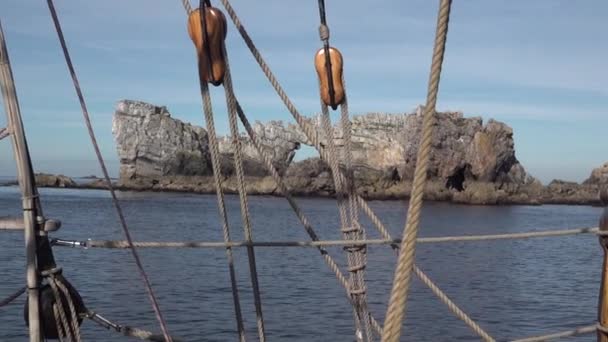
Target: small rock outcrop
54, 181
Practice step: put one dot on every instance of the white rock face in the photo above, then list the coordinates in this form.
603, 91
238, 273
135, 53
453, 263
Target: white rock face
152, 144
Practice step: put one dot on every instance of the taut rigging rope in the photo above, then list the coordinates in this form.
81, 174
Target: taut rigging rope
123, 223
405, 262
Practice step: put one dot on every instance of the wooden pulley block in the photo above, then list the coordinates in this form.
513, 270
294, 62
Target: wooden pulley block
209, 47
336, 74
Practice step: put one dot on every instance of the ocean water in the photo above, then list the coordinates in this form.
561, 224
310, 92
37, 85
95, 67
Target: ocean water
512, 288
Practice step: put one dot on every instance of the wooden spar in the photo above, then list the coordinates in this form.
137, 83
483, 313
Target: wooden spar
13, 223
603, 300
26, 182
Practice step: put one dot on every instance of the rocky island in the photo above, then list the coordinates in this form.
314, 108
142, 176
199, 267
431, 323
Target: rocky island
472, 161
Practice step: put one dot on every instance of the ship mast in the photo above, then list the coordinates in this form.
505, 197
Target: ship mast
30, 200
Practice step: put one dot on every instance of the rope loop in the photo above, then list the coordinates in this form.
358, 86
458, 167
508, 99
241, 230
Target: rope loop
324, 33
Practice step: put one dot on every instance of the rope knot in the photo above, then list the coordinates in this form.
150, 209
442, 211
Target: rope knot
324, 32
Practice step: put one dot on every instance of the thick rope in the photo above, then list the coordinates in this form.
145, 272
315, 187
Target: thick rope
217, 177
398, 300
58, 323
85, 113
74, 315
6, 301
238, 163
60, 312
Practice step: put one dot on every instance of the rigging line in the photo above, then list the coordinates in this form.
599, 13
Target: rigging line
387, 240
398, 300
85, 113
6, 301
240, 175
187, 6
217, 177
354, 258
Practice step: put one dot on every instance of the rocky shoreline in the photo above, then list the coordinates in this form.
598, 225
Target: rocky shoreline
476, 193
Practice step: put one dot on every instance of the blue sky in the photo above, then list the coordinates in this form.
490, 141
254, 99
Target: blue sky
539, 66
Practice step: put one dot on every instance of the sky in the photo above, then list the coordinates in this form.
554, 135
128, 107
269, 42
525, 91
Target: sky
539, 66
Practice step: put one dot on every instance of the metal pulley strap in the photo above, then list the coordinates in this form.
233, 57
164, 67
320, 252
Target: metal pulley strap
202, 10
324, 35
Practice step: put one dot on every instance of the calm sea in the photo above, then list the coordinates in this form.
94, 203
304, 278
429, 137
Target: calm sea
512, 288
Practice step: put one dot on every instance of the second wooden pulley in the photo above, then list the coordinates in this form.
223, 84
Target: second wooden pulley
208, 36
336, 62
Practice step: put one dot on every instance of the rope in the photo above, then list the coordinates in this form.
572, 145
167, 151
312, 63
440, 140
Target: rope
124, 329
452, 306
574, 332
358, 233
6, 301
322, 243
217, 174
354, 259
398, 300
60, 328
74, 315
238, 162
4, 132
285, 192
85, 113
60, 313
187, 6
